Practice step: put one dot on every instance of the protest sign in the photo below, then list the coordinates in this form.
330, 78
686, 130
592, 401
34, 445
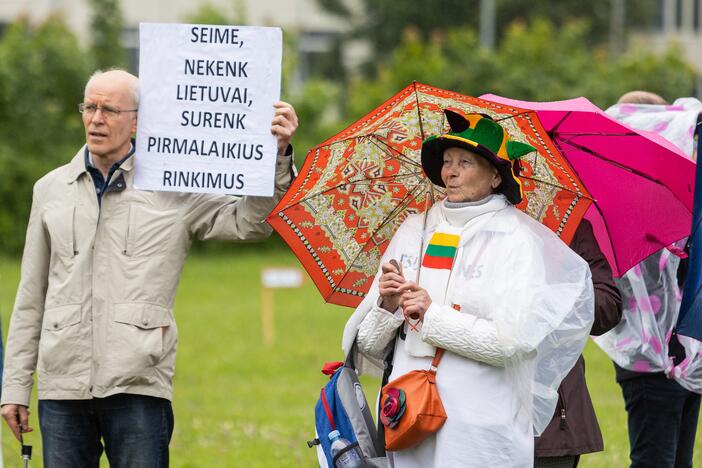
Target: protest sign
205, 110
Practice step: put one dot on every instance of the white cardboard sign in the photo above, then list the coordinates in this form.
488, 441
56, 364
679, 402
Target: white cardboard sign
205, 110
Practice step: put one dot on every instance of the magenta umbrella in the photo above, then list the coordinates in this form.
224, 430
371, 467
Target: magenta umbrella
641, 184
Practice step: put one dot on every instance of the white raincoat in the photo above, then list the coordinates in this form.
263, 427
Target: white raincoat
526, 307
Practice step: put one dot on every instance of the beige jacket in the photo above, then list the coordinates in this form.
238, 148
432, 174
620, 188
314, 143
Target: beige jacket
94, 307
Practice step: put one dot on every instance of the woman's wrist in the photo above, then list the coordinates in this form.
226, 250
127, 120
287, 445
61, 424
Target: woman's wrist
388, 304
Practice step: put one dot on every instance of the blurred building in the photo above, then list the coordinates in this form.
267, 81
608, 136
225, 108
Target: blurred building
317, 32
678, 21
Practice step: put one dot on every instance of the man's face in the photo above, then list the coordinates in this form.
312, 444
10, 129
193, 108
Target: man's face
108, 135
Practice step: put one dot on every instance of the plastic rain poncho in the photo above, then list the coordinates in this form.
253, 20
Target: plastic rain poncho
529, 292
650, 291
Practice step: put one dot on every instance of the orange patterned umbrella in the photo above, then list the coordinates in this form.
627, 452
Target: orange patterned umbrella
355, 189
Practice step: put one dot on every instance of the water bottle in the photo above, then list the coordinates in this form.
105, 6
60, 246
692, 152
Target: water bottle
350, 458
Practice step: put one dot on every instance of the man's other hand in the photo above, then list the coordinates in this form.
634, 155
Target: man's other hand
17, 417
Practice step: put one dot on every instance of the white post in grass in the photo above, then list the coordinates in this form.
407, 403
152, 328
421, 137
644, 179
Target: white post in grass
275, 278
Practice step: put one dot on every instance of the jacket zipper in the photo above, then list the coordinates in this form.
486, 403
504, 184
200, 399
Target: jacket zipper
127, 250
74, 245
561, 400
92, 284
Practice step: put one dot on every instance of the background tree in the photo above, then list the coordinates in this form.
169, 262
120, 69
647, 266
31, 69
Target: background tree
106, 33
207, 13
42, 73
538, 62
383, 22
597, 15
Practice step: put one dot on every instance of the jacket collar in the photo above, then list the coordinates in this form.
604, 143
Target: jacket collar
77, 165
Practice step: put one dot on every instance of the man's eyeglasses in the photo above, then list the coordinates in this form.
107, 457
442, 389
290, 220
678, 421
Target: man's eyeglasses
107, 111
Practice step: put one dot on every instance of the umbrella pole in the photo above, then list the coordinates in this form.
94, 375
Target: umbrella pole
428, 196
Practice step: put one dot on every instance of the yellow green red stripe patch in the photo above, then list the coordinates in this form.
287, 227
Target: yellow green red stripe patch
441, 251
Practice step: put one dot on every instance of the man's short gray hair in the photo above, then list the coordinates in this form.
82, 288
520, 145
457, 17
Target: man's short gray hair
132, 81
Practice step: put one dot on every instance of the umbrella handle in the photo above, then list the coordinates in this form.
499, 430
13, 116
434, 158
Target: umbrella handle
26, 452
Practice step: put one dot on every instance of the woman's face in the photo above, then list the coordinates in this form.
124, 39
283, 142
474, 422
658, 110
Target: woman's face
468, 177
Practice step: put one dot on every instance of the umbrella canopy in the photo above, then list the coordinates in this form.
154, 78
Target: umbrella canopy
641, 184
356, 188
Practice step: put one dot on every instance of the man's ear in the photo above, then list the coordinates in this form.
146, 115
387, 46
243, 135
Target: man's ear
134, 124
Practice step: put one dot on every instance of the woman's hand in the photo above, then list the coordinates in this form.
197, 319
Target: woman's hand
391, 280
414, 301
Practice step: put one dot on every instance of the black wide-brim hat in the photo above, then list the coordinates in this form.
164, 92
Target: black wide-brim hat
483, 136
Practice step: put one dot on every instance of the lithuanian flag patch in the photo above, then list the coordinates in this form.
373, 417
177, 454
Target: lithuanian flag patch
441, 251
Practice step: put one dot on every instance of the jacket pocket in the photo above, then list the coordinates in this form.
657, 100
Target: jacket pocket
60, 346
135, 338
60, 226
148, 230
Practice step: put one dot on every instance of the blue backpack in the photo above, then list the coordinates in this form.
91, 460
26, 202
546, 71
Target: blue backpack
342, 406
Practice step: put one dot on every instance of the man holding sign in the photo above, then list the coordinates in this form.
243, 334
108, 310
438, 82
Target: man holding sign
94, 309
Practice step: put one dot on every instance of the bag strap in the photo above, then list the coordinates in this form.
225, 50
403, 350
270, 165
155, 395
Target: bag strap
350, 360
387, 370
327, 409
437, 359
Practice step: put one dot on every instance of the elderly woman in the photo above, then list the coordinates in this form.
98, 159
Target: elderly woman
509, 303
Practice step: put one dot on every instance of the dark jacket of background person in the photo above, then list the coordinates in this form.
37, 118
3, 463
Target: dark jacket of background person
574, 429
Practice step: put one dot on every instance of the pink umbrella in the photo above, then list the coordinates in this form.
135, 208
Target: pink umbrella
642, 185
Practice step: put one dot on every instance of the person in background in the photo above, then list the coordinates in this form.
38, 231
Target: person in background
653, 368
93, 315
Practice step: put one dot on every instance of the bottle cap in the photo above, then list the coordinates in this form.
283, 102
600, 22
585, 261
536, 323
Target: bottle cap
334, 434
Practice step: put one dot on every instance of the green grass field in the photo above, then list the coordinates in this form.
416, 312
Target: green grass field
239, 403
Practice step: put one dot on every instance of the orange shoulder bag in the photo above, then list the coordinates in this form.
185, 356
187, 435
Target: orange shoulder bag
411, 409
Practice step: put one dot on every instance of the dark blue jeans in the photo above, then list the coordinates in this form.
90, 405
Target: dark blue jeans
135, 430
662, 419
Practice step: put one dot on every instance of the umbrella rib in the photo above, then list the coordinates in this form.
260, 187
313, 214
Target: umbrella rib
400, 206
609, 238
400, 155
610, 161
545, 182
360, 181
554, 129
419, 111
376, 140
352, 137
514, 116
